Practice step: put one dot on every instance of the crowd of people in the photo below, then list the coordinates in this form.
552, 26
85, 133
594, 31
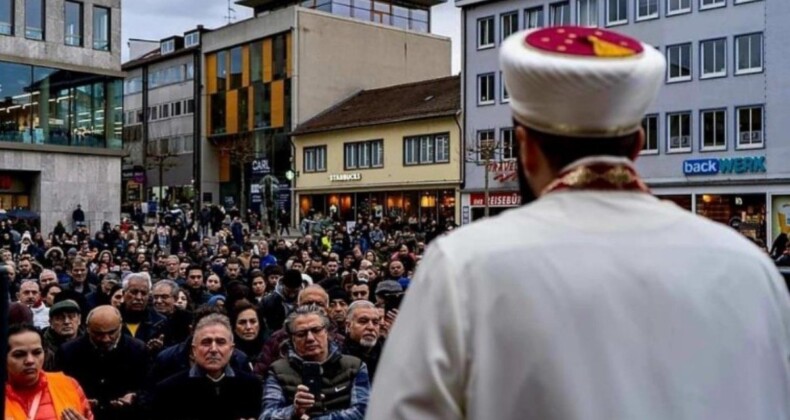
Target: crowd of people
187, 321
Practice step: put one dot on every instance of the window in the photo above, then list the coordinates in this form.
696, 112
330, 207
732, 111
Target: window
749, 54
256, 61
167, 46
34, 19
503, 94
714, 60
222, 70
533, 18
679, 63
152, 113
217, 107
133, 85
314, 159
278, 51
587, 12
712, 4
189, 71
101, 28
714, 130
6, 17
485, 89
750, 127
676, 7
365, 154
192, 39
73, 23
485, 32
426, 149
190, 106
164, 112
508, 137
616, 12
560, 13
486, 145
646, 9
509, 24
679, 132
744, 1
650, 125
235, 68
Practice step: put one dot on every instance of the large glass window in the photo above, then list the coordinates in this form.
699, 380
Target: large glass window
679, 63
262, 112
400, 17
256, 61
6, 17
34, 19
279, 56
362, 10
419, 20
15, 80
218, 120
244, 109
235, 68
73, 23
101, 28
714, 130
714, 58
679, 132
749, 54
222, 70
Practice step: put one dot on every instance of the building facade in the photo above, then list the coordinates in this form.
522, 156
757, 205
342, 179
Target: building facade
265, 75
714, 135
161, 125
393, 152
61, 109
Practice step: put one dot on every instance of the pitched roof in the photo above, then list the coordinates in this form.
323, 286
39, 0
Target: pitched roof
411, 101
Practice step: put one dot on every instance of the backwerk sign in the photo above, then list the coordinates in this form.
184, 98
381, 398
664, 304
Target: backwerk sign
737, 166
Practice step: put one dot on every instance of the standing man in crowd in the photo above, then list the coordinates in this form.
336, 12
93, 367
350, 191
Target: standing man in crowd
64, 325
78, 216
661, 314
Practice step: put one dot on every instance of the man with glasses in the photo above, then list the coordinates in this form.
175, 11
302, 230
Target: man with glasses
210, 388
109, 365
344, 380
176, 328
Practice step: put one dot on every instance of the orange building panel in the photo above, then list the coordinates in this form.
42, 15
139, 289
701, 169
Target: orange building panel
251, 108
211, 73
278, 103
288, 54
245, 65
224, 167
232, 111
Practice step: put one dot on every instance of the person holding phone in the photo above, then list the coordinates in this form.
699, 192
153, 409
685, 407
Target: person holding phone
315, 379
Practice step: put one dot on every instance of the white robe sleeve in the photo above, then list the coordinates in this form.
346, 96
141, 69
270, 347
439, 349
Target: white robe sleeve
422, 373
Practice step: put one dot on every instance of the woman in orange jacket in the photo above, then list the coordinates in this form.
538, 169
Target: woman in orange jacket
31, 393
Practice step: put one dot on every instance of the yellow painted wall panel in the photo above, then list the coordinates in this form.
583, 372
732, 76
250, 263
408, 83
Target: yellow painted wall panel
268, 60
211, 73
232, 112
224, 167
245, 65
288, 54
278, 103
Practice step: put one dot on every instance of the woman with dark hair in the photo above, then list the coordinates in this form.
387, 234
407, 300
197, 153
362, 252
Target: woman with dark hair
31, 393
248, 331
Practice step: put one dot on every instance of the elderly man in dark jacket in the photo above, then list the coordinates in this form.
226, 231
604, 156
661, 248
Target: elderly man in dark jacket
211, 389
109, 366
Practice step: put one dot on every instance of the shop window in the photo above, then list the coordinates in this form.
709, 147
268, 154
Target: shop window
314, 159
750, 127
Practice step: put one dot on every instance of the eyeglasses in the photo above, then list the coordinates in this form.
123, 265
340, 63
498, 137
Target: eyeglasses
302, 334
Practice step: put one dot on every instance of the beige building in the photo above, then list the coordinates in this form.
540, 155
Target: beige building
265, 75
390, 152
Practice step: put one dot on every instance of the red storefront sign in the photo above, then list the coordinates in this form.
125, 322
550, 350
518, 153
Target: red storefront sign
496, 199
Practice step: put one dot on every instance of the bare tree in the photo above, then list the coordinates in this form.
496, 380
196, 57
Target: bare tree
242, 151
483, 152
159, 156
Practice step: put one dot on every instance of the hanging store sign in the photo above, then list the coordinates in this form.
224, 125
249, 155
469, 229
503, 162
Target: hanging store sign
261, 167
503, 171
345, 177
738, 166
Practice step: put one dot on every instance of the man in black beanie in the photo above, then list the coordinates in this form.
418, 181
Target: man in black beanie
338, 307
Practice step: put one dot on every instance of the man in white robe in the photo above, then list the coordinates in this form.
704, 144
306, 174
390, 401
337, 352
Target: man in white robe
598, 300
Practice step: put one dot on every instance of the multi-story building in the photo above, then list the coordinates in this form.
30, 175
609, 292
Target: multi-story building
390, 152
714, 135
265, 75
61, 109
161, 125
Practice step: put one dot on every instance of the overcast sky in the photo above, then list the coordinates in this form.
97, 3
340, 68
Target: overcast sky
157, 19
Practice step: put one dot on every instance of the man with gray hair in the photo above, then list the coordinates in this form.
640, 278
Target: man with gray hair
344, 382
176, 329
140, 321
363, 334
211, 389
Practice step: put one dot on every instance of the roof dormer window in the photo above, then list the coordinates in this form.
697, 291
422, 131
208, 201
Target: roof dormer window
168, 46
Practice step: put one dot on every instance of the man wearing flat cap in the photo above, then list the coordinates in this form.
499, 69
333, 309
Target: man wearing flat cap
660, 314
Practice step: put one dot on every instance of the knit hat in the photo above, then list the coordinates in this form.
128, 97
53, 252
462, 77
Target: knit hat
336, 293
215, 299
389, 287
